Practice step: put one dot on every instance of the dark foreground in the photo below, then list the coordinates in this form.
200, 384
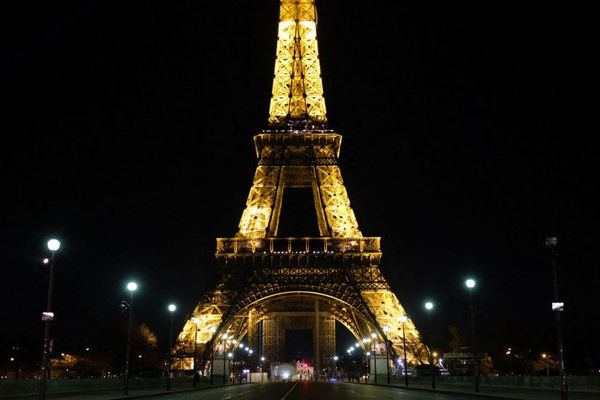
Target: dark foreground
311, 391
316, 391
351, 391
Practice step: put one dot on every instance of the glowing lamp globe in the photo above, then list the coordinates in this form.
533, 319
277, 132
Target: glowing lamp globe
53, 244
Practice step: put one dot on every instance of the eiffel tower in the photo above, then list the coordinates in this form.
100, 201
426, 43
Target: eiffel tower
269, 284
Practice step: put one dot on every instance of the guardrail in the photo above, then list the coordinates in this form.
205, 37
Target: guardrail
575, 382
306, 245
72, 386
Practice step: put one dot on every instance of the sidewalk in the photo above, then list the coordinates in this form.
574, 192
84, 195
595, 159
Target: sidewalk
499, 392
109, 395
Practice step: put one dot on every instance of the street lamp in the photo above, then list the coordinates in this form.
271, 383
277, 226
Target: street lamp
403, 320
429, 307
246, 360
262, 360
374, 338
367, 342
335, 363
139, 366
171, 308
132, 287
196, 321
232, 366
213, 330
387, 352
470, 284
47, 317
224, 340
546, 366
558, 307
15, 367
350, 351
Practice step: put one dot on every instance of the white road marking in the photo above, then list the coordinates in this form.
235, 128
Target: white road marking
289, 391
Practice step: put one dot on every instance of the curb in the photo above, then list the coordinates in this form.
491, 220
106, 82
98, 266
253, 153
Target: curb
451, 392
166, 392
114, 396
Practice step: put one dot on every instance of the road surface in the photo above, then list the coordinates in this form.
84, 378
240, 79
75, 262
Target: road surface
312, 391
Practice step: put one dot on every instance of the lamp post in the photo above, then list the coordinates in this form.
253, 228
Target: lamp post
366, 365
196, 321
224, 341
47, 317
387, 352
237, 377
429, 307
213, 330
232, 367
15, 367
171, 308
470, 284
367, 361
403, 320
132, 287
335, 362
373, 339
558, 307
351, 375
262, 360
250, 351
139, 366
546, 366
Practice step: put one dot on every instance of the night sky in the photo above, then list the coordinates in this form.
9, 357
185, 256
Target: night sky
468, 139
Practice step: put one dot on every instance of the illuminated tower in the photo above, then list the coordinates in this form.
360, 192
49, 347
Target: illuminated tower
269, 284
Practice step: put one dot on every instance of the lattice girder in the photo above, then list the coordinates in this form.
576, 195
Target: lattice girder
387, 310
259, 205
288, 161
200, 328
297, 87
338, 212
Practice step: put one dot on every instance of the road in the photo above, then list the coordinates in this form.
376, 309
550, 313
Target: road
312, 391
316, 391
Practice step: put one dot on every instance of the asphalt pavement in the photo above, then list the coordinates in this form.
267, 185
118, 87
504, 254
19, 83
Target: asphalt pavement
323, 391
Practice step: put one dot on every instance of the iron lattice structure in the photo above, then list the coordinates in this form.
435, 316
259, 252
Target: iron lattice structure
267, 283
297, 85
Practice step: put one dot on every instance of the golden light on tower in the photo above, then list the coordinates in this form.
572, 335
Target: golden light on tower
297, 86
274, 282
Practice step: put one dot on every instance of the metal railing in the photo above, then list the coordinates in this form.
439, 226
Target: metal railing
306, 245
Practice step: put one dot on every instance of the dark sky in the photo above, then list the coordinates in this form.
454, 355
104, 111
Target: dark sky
468, 138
